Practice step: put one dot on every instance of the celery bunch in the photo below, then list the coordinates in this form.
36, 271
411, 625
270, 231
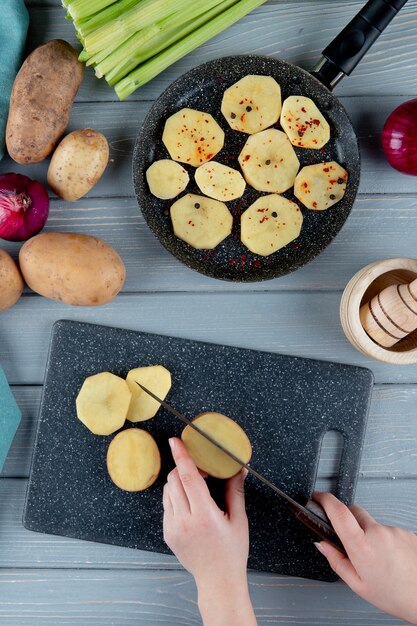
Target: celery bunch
129, 42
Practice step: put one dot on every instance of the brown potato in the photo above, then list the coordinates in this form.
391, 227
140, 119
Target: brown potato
41, 101
78, 163
11, 281
206, 455
75, 269
133, 460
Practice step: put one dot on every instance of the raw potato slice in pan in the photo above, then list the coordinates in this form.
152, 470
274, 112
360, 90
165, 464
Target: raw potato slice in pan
206, 455
269, 224
158, 380
102, 403
268, 161
201, 222
192, 137
252, 104
133, 460
321, 185
304, 124
219, 181
166, 179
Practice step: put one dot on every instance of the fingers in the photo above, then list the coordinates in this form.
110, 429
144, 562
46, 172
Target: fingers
343, 521
364, 519
340, 564
166, 501
177, 495
193, 483
235, 495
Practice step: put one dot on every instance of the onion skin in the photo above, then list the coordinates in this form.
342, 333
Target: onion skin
24, 207
399, 138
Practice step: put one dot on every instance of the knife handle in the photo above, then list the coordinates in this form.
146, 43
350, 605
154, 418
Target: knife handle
314, 517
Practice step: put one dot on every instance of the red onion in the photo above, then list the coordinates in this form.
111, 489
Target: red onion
399, 138
24, 207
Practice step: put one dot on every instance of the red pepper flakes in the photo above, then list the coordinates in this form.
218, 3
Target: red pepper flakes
202, 139
303, 109
264, 219
241, 102
332, 182
247, 157
210, 155
206, 121
268, 182
232, 261
295, 245
315, 141
305, 185
316, 122
261, 210
315, 205
325, 169
256, 264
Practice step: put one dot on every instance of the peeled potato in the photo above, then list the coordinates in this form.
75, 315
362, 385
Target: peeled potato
192, 137
158, 380
268, 161
269, 224
201, 222
103, 402
133, 460
166, 179
206, 455
304, 124
321, 185
252, 104
219, 181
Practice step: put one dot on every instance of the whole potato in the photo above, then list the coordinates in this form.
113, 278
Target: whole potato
41, 100
78, 163
75, 269
11, 281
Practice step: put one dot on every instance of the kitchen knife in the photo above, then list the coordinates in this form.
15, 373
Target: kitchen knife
312, 515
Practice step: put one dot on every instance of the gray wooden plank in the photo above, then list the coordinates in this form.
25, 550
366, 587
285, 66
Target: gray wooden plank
390, 448
120, 122
283, 29
303, 324
169, 598
392, 502
151, 268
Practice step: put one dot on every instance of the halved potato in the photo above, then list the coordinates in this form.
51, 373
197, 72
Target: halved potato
206, 455
201, 222
166, 179
192, 137
321, 185
158, 380
133, 460
220, 181
268, 161
103, 402
270, 223
304, 124
252, 104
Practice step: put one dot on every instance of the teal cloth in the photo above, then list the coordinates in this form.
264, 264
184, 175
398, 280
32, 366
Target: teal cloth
10, 417
14, 21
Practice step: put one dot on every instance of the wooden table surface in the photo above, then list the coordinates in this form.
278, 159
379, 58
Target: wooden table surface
54, 580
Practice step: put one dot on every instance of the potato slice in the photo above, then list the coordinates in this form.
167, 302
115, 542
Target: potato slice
321, 185
268, 161
252, 104
304, 124
206, 455
133, 460
102, 403
192, 137
201, 222
270, 223
158, 380
219, 181
166, 179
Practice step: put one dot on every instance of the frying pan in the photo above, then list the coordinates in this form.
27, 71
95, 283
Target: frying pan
202, 88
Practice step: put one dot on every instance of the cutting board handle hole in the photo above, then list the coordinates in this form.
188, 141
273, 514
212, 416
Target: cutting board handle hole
330, 458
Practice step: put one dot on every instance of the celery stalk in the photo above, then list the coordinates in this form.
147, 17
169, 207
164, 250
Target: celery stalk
139, 48
90, 24
79, 9
157, 64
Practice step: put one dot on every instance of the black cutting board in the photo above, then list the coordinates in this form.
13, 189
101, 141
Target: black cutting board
285, 404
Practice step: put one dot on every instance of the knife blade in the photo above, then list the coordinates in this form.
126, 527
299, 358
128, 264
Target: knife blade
312, 515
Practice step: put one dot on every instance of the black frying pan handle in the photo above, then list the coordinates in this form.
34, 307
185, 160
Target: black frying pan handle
345, 51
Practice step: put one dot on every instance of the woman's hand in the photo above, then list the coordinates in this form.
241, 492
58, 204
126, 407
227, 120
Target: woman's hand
381, 565
209, 543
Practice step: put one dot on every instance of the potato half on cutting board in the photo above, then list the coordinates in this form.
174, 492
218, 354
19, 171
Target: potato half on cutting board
206, 455
201, 222
304, 124
252, 104
133, 460
268, 161
192, 137
103, 402
269, 224
321, 185
157, 379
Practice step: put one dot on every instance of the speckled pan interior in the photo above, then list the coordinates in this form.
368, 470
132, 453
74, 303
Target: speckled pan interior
202, 88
